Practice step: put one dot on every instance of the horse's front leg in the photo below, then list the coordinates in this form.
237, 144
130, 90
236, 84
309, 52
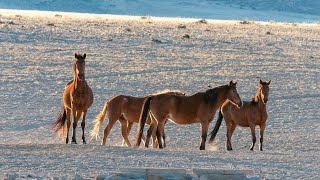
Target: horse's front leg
68, 112
253, 133
262, 127
83, 125
204, 133
76, 117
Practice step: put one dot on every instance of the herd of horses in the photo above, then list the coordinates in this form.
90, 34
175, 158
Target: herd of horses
156, 109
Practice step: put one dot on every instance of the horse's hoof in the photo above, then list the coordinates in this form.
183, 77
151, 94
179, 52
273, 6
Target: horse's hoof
84, 142
73, 142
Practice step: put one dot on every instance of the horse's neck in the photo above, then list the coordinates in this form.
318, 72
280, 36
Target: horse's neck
257, 97
258, 100
79, 86
220, 99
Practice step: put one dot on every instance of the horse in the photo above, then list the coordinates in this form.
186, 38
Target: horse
197, 108
250, 115
126, 110
77, 98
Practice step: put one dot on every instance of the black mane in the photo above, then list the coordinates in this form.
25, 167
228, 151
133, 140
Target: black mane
211, 95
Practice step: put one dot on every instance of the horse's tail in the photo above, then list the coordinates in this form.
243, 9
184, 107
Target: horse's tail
216, 127
99, 120
142, 121
60, 122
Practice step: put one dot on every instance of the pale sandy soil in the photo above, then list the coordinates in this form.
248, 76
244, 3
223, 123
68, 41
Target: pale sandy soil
35, 64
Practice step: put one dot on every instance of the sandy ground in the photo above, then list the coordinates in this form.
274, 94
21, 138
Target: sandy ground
124, 58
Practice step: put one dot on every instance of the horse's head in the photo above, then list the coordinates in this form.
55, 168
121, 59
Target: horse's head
264, 90
79, 66
232, 93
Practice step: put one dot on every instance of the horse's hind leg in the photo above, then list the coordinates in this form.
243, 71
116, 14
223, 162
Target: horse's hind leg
124, 131
151, 129
204, 134
107, 129
68, 112
129, 126
161, 137
83, 125
155, 133
253, 133
262, 127
230, 131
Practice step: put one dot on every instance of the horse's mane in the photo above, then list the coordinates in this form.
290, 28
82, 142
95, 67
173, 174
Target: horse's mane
167, 91
211, 95
255, 99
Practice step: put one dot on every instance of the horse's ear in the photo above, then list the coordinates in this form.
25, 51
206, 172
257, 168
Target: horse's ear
84, 55
260, 81
235, 83
76, 55
231, 83
269, 82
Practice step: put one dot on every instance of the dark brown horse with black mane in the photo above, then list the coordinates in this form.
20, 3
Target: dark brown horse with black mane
77, 98
198, 108
250, 115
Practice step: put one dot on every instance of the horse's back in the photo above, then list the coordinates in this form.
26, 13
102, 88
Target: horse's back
181, 109
242, 115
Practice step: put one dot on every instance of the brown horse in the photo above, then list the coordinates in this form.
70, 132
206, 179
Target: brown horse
126, 110
77, 98
198, 108
250, 115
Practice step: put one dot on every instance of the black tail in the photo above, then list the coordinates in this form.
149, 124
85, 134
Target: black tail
60, 121
142, 121
216, 127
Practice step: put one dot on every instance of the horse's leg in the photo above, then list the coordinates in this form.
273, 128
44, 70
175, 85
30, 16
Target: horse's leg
253, 133
83, 125
124, 131
229, 123
154, 138
204, 134
164, 135
151, 129
129, 126
262, 127
76, 117
232, 128
107, 129
68, 112
160, 134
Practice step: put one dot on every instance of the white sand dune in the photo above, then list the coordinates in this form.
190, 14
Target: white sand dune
36, 56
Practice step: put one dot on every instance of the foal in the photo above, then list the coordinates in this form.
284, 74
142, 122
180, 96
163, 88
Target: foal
250, 115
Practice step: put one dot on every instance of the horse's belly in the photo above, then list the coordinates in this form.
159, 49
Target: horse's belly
182, 120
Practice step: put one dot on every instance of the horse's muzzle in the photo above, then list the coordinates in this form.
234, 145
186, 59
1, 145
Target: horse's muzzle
240, 103
265, 100
80, 77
